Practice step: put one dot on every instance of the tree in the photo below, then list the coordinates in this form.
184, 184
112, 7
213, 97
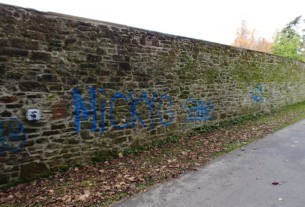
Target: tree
245, 38
289, 42
263, 45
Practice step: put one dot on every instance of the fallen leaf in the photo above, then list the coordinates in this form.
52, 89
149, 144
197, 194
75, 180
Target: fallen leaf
51, 191
10, 197
275, 183
227, 184
84, 196
184, 153
67, 198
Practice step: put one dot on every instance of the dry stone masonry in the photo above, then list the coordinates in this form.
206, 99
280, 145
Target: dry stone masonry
102, 88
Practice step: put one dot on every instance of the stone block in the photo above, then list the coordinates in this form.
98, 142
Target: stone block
8, 99
49, 133
6, 114
33, 86
59, 111
57, 126
94, 58
47, 78
124, 66
4, 179
33, 170
2, 69
104, 155
14, 52
24, 44
40, 56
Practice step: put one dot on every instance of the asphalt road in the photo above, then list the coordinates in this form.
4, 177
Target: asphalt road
269, 172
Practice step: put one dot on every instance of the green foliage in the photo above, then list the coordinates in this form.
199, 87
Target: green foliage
104, 155
156, 143
289, 42
231, 122
288, 46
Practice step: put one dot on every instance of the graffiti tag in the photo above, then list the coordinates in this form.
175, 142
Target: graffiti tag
81, 108
12, 136
198, 110
257, 93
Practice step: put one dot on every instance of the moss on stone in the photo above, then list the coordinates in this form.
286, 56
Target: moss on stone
33, 170
105, 154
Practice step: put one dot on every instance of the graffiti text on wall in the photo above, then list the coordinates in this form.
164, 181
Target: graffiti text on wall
12, 135
130, 100
257, 93
198, 110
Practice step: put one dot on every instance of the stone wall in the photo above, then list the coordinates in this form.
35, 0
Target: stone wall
102, 88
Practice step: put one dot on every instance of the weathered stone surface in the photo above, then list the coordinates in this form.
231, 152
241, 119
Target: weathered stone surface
57, 126
4, 179
33, 170
6, 114
40, 56
32, 86
12, 106
8, 99
47, 78
105, 154
59, 111
93, 58
14, 52
2, 69
124, 66
13, 76
24, 44
49, 133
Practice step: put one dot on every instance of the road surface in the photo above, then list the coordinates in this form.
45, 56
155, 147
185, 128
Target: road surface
269, 172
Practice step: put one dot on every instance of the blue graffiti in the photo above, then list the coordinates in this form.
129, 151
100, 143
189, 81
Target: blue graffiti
103, 106
135, 115
168, 113
80, 108
257, 93
198, 110
12, 136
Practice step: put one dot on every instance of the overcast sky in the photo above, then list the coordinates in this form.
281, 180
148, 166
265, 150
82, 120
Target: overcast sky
211, 20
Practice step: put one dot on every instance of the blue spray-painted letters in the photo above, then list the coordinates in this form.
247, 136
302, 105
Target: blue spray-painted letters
80, 107
257, 93
135, 115
103, 106
12, 136
198, 110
